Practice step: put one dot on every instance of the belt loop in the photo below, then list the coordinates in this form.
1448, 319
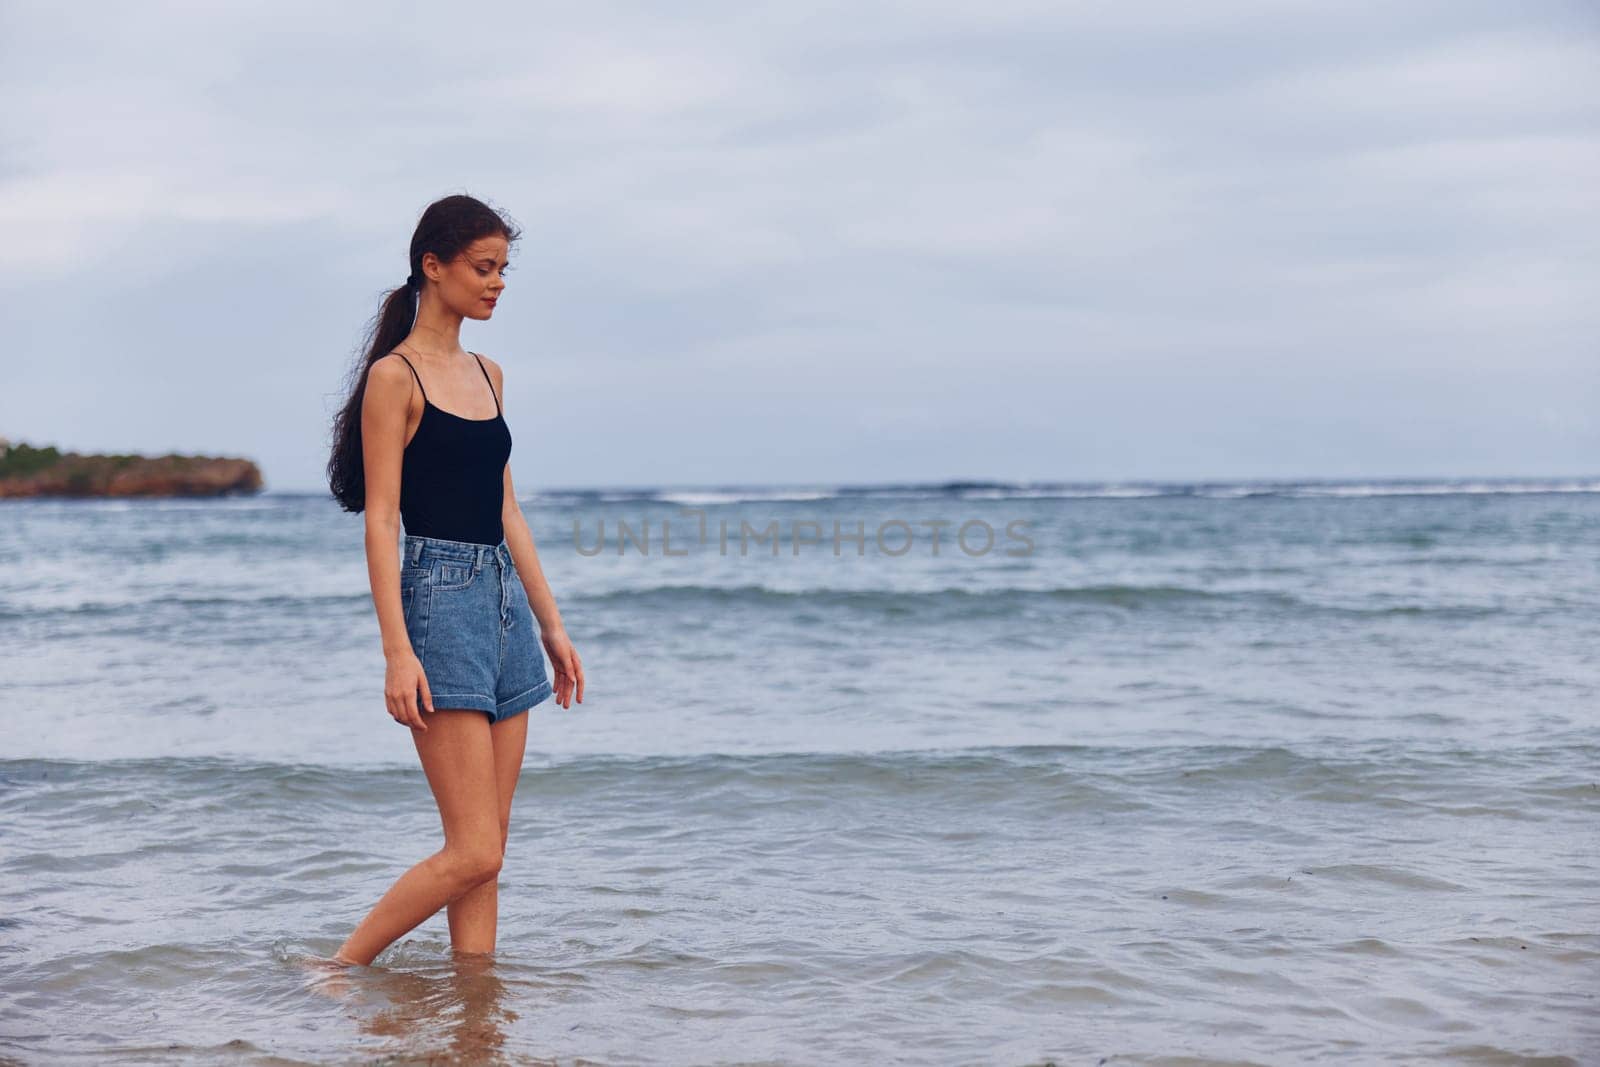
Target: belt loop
416, 552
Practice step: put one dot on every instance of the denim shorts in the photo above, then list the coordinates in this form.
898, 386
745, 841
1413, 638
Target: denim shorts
468, 618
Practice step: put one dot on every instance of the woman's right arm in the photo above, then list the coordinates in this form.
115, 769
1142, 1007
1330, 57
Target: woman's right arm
384, 410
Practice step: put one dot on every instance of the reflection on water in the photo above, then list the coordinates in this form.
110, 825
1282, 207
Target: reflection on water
451, 1012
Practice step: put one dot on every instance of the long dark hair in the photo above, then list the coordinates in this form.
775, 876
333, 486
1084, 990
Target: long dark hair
446, 228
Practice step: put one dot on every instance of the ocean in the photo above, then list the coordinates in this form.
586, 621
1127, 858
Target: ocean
1226, 773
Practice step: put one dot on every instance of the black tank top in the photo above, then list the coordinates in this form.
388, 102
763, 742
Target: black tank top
452, 473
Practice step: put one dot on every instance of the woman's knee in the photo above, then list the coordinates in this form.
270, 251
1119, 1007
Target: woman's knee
471, 866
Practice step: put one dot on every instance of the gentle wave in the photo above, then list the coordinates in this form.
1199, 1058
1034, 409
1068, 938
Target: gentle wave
710, 496
1007, 600
1000, 601
1076, 490
1558, 772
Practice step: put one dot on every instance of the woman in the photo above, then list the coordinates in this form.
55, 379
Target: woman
417, 442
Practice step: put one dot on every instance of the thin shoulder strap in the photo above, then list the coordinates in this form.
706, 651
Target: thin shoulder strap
490, 381
414, 375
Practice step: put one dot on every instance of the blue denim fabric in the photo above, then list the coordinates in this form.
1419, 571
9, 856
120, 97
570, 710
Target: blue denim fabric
468, 618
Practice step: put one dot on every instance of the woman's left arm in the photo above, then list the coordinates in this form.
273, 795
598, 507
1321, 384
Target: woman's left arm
525, 557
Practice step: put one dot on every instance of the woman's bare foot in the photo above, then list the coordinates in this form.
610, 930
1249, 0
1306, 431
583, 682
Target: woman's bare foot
328, 975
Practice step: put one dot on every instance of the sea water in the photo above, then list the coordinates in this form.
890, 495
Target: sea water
1158, 774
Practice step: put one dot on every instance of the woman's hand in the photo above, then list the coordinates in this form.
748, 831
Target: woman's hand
401, 680
569, 669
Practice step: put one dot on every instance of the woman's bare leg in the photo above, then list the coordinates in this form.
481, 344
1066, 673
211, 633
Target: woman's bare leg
458, 757
474, 913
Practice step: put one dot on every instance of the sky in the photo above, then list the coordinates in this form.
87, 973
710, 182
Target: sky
814, 243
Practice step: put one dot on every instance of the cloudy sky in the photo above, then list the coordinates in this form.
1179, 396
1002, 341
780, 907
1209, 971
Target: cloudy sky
805, 242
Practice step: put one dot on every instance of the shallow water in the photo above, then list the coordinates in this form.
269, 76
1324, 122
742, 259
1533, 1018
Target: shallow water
1216, 774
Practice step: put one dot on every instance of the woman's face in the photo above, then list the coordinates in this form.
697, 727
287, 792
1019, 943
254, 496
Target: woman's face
470, 284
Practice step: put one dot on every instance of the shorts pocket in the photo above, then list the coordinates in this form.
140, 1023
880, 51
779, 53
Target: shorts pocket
410, 580
414, 608
450, 574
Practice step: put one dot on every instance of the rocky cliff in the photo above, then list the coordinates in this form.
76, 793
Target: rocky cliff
29, 471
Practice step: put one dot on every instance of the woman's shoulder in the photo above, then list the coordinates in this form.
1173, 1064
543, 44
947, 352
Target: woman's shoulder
389, 369
495, 372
